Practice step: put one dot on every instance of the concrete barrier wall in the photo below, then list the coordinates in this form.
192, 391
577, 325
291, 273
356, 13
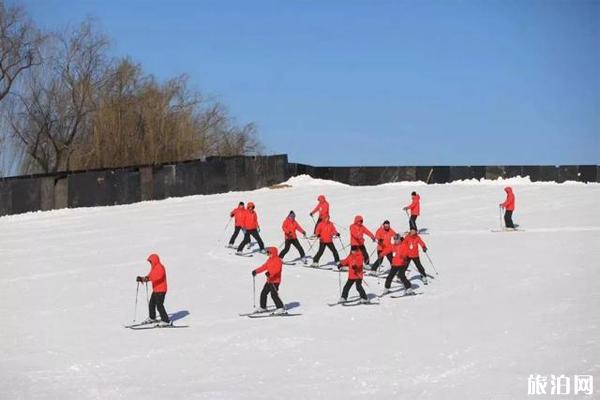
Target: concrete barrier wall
222, 174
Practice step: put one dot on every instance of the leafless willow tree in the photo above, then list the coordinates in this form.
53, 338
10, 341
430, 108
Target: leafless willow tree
19, 46
59, 97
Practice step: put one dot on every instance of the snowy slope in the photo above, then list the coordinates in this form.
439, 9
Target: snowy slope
504, 306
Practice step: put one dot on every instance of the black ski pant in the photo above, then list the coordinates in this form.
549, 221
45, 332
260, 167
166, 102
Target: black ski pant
359, 287
417, 262
508, 222
235, 234
255, 235
331, 247
363, 250
273, 289
288, 243
157, 303
412, 222
379, 260
401, 272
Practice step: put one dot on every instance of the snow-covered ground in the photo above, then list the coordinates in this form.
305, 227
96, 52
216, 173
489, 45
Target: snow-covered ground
505, 305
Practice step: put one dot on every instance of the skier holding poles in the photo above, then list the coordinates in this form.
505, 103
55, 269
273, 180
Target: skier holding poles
325, 232
250, 224
413, 241
415, 210
272, 268
355, 263
290, 226
322, 208
238, 215
357, 241
158, 277
384, 237
509, 207
399, 265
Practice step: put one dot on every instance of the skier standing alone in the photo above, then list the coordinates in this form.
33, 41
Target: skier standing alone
252, 228
357, 241
272, 269
322, 208
413, 241
158, 277
415, 210
290, 226
238, 215
355, 264
509, 207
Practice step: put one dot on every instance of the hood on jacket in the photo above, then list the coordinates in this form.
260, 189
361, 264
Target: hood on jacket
272, 251
250, 205
508, 189
358, 219
153, 259
321, 198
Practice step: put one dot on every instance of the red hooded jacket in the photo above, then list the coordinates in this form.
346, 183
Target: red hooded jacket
272, 266
400, 251
250, 220
322, 207
384, 238
238, 214
355, 263
157, 274
325, 231
413, 242
415, 206
509, 203
357, 231
290, 227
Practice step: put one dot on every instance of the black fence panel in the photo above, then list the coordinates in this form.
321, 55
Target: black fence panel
494, 172
61, 192
215, 177
6, 207
461, 173
478, 172
567, 173
189, 179
88, 189
587, 173
433, 174
125, 186
47, 193
548, 173
512, 171
26, 195
164, 182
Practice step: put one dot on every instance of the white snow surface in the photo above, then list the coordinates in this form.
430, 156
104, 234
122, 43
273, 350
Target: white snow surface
504, 305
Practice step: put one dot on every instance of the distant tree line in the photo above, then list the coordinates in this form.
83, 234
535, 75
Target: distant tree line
66, 104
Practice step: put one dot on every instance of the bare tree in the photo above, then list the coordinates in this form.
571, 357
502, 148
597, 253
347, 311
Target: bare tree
59, 98
19, 46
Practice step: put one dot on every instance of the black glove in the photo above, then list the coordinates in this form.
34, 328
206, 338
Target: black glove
424, 249
310, 214
267, 274
339, 266
337, 235
140, 279
253, 272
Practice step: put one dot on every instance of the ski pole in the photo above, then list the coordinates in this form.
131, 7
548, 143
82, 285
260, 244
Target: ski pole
500, 215
431, 262
342, 244
340, 281
137, 289
310, 244
253, 291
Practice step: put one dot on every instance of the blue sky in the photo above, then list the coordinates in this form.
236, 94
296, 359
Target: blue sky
378, 82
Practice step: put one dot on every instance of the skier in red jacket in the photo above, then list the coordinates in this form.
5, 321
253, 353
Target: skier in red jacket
273, 272
250, 224
355, 263
238, 214
357, 241
158, 277
509, 207
322, 208
384, 237
415, 210
326, 232
290, 226
413, 241
399, 264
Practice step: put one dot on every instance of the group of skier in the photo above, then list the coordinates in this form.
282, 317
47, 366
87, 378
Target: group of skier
399, 249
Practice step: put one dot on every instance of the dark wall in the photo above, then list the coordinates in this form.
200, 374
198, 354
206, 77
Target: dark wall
222, 174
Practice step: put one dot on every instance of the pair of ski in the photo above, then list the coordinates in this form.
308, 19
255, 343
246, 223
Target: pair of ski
355, 301
398, 296
153, 325
268, 313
